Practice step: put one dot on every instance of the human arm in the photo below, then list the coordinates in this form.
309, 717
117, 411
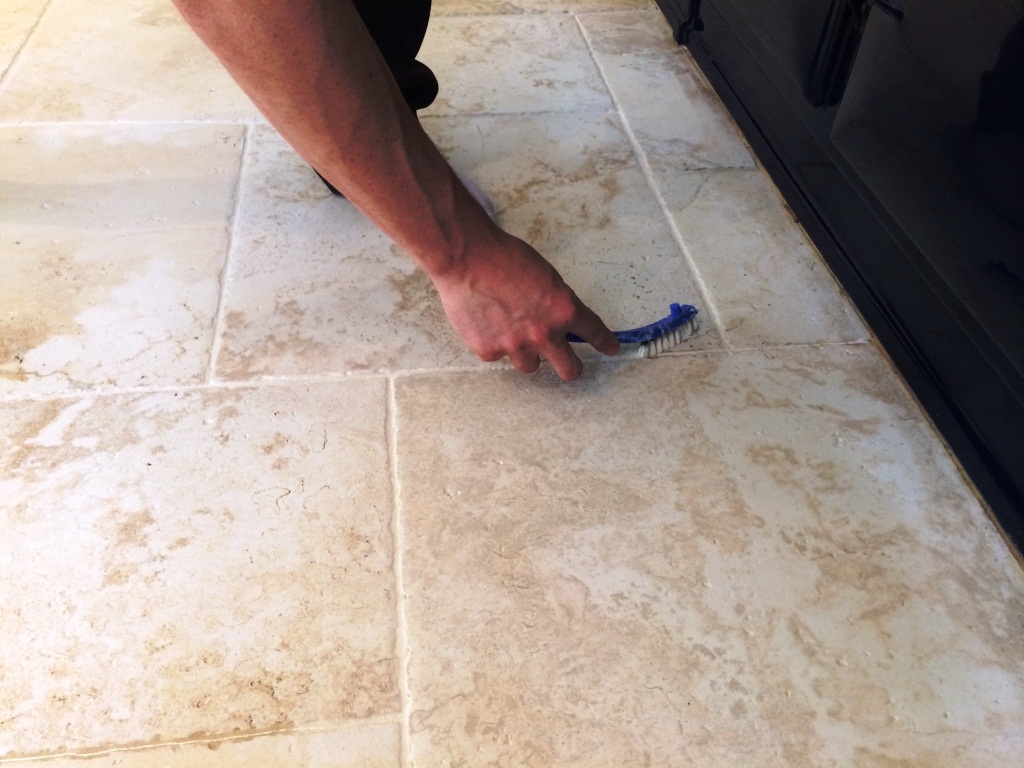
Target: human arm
314, 71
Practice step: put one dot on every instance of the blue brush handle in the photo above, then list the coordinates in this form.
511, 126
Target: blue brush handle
680, 314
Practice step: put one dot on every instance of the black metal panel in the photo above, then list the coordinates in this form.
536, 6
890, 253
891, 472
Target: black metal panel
865, 172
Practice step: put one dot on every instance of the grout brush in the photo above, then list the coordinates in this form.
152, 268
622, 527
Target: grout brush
651, 340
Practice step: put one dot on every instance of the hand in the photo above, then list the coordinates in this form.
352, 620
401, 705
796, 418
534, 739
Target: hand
510, 302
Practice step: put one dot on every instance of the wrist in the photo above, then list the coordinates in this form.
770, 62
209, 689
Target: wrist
462, 248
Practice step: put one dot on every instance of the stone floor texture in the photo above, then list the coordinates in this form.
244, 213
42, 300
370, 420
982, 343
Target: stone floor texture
259, 506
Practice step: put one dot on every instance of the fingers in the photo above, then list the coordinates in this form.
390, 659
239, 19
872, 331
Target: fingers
592, 329
559, 353
565, 362
525, 362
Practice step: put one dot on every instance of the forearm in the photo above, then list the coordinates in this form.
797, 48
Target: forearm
316, 74
314, 71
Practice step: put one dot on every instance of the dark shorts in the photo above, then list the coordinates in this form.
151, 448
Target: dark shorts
398, 27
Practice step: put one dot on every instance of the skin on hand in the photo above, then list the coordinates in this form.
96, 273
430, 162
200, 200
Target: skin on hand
514, 304
313, 70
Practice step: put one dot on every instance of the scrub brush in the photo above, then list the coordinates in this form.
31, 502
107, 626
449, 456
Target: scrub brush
653, 339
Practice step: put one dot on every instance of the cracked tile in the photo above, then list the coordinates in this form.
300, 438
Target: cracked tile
206, 562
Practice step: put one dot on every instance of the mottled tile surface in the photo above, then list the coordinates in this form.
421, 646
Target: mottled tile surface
17, 18
710, 560
363, 746
314, 288
668, 104
769, 285
571, 186
197, 562
113, 240
120, 60
544, 62
753, 552
456, 7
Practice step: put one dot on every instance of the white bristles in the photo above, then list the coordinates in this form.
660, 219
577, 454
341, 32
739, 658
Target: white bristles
664, 343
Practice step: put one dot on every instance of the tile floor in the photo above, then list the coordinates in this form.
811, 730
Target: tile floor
260, 507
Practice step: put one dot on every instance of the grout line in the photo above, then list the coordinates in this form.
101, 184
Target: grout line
402, 631
218, 322
118, 122
652, 183
528, 12
214, 740
260, 121
17, 54
338, 378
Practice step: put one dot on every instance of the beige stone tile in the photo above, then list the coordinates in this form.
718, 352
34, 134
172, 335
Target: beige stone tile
113, 239
512, 64
17, 17
122, 60
675, 116
314, 288
571, 186
359, 746
725, 559
770, 285
205, 562
456, 7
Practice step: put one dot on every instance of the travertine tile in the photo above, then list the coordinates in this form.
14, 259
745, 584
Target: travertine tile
746, 559
675, 116
314, 288
512, 64
200, 562
17, 17
571, 186
113, 240
769, 284
360, 746
454, 7
120, 60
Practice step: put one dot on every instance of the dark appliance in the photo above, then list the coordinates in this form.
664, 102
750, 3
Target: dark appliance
895, 129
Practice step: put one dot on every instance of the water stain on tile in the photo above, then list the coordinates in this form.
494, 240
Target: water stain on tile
112, 278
